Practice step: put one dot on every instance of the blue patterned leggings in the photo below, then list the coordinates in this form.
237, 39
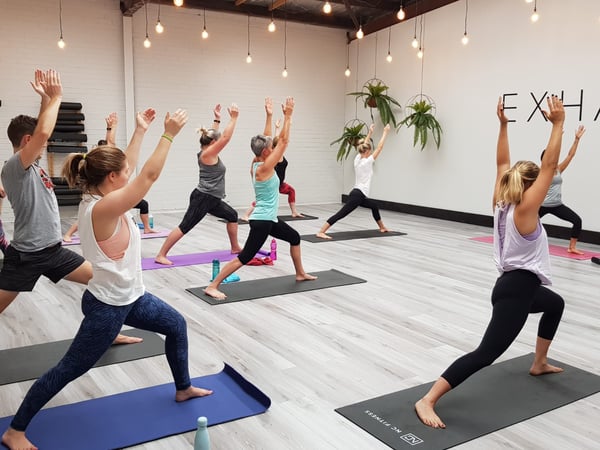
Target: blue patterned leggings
98, 330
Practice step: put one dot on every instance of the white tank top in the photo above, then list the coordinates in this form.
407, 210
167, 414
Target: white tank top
513, 251
115, 282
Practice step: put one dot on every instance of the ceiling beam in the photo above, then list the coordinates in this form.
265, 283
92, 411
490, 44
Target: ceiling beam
276, 4
128, 7
239, 2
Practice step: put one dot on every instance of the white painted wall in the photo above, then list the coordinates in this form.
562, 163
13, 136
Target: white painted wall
507, 54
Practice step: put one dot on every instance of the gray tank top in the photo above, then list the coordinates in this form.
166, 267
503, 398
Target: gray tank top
554, 195
211, 178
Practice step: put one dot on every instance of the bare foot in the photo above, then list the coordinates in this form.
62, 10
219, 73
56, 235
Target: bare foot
427, 415
575, 251
305, 277
191, 392
149, 231
67, 238
543, 369
163, 260
214, 293
236, 250
122, 339
245, 219
323, 236
297, 214
384, 230
16, 440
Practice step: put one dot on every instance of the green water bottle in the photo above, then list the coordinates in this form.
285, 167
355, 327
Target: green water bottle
201, 440
216, 268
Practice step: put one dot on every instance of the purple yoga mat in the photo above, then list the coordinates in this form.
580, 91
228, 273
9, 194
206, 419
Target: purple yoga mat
159, 234
555, 250
193, 259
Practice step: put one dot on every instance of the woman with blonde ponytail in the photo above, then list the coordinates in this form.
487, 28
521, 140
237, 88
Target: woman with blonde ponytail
522, 258
115, 295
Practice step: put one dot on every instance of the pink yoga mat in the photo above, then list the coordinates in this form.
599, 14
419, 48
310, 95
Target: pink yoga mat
192, 259
158, 234
555, 250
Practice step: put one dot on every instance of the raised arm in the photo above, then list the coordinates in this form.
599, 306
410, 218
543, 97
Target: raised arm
269, 117
502, 149
111, 128
210, 153
368, 137
117, 202
143, 121
217, 119
565, 162
284, 137
535, 195
377, 151
48, 86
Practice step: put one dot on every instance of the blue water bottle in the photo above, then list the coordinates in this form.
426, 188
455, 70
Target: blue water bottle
202, 440
216, 268
273, 254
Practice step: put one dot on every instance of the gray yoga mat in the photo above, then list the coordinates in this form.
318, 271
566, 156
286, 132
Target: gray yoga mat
498, 396
285, 218
268, 287
31, 362
348, 235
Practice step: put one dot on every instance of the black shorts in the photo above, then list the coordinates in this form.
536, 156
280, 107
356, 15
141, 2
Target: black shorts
201, 204
22, 270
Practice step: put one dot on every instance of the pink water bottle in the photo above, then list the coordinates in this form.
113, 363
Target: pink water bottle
273, 254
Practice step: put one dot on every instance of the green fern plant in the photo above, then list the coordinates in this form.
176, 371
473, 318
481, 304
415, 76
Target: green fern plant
349, 139
374, 95
424, 123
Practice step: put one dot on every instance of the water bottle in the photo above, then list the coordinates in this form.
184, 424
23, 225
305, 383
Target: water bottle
202, 440
216, 268
151, 221
273, 254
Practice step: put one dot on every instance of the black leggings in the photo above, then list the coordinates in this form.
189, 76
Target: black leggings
142, 206
355, 199
202, 204
515, 295
260, 231
565, 213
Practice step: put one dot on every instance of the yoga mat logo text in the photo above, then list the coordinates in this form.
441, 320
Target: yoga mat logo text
410, 438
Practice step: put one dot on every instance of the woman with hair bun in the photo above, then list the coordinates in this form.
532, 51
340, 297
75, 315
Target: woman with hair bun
359, 195
208, 196
115, 295
522, 257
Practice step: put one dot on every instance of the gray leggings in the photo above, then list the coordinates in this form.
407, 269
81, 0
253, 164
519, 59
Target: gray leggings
97, 331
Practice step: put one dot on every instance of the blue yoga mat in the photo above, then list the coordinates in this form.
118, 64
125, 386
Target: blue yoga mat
143, 415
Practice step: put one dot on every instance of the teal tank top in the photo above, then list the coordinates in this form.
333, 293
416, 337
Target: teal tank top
267, 197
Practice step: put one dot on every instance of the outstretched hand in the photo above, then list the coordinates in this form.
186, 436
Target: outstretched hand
47, 84
579, 131
500, 111
111, 120
386, 129
233, 111
556, 110
288, 106
145, 118
269, 106
174, 123
217, 111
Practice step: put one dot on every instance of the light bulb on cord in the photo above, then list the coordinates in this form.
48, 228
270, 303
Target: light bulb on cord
178, 2
415, 43
272, 26
347, 71
204, 34
248, 58
327, 8
528, 1
535, 16
61, 43
401, 14
465, 39
147, 42
284, 74
420, 54
159, 27
388, 58
360, 34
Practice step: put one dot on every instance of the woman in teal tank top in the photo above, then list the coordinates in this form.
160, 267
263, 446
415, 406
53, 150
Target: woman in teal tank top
263, 221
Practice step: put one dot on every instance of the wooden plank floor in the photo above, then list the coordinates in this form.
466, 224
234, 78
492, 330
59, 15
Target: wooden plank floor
427, 301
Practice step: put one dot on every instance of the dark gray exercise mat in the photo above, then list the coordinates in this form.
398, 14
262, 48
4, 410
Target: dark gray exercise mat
31, 362
284, 218
347, 235
268, 287
494, 398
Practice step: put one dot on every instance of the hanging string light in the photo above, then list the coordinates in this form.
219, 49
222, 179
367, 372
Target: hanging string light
272, 26
248, 58
147, 42
360, 33
389, 55
327, 8
178, 2
204, 32
61, 41
284, 74
401, 14
535, 16
159, 26
465, 38
420, 53
347, 71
